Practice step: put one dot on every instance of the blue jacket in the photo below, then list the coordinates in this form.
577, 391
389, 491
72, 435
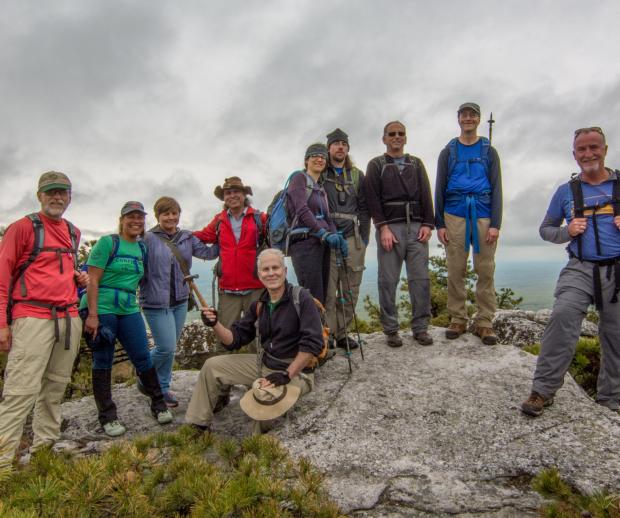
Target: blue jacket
156, 283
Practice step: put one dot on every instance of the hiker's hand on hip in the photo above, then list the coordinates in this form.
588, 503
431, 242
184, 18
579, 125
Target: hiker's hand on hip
278, 378
424, 234
5, 339
91, 324
577, 226
442, 235
492, 235
388, 239
81, 278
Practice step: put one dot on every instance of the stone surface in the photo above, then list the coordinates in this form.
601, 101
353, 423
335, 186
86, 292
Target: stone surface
414, 431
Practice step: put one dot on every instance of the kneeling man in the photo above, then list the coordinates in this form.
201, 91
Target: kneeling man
287, 324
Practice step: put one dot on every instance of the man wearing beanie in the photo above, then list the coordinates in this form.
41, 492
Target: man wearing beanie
400, 203
468, 213
39, 323
344, 185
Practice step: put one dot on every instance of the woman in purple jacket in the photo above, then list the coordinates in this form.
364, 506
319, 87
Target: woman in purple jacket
313, 233
163, 293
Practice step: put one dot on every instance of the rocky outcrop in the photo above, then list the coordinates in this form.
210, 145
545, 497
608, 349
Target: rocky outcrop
520, 328
416, 431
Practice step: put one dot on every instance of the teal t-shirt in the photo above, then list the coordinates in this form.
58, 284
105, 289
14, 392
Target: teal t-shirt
117, 288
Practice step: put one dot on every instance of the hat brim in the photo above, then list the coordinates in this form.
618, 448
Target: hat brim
125, 212
262, 412
52, 186
219, 191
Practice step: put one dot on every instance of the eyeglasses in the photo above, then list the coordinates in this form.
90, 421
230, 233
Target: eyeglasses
394, 133
322, 157
596, 129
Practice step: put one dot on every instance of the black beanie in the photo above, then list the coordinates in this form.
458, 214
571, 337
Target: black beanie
336, 136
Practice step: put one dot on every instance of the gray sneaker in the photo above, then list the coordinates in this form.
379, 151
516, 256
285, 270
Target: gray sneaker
164, 417
114, 428
394, 340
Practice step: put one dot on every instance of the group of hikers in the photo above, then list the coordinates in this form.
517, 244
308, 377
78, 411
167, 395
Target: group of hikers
136, 275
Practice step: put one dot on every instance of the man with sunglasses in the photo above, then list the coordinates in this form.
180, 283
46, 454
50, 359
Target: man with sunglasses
589, 204
468, 213
39, 323
400, 203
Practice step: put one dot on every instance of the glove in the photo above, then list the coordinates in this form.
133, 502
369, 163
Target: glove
344, 246
206, 321
321, 233
333, 240
278, 378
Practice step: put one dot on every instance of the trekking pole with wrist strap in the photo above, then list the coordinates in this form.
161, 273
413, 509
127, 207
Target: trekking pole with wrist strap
346, 276
491, 121
342, 301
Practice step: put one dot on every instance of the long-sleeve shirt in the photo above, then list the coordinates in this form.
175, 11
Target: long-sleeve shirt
311, 211
387, 184
43, 278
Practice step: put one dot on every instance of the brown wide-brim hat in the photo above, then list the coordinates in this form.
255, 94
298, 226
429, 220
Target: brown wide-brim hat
263, 404
234, 182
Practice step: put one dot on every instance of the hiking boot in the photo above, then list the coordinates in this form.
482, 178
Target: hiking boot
423, 338
342, 343
394, 340
487, 335
535, 404
163, 416
455, 330
114, 429
171, 400
140, 387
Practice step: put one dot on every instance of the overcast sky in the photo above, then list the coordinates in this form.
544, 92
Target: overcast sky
137, 99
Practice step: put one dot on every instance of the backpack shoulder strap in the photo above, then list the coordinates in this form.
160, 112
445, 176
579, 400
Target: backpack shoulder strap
615, 197
74, 242
383, 164
575, 187
452, 155
260, 231
296, 291
145, 255
39, 238
116, 243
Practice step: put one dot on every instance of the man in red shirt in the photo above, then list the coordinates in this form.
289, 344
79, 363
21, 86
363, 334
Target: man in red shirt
239, 230
39, 323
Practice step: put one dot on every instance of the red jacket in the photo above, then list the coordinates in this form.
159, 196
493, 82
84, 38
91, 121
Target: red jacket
44, 281
237, 263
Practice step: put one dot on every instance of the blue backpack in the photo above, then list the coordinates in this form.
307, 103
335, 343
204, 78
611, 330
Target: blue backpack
484, 155
279, 229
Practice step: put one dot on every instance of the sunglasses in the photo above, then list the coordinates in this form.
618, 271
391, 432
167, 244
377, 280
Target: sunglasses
596, 129
394, 133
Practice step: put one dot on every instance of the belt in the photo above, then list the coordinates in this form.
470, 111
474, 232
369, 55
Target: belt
55, 309
596, 278
356, 226
407, 205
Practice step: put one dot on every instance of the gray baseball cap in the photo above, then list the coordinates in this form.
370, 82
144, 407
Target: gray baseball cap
471, 106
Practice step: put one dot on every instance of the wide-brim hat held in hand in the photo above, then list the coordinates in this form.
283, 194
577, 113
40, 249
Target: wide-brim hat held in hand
263, 404
234, 182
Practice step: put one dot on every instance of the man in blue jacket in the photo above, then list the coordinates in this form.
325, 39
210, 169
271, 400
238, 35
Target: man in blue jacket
468, 212
589, 204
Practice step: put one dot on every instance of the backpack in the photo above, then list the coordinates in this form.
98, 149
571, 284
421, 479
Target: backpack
279, 229
384, 164
453, 156
116, 243
351, 178
316, 361
39, 240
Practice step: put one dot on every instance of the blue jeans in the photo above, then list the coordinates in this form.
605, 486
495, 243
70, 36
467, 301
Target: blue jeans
166, 325
131, 333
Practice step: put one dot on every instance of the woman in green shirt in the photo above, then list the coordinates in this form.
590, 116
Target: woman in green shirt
116, 265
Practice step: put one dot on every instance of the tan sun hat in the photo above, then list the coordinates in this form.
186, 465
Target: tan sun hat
234, 182
263, 404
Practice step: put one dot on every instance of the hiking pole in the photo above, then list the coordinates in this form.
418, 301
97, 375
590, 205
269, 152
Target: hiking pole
357, 327
491, 121
341, 299
213, 285
189, 280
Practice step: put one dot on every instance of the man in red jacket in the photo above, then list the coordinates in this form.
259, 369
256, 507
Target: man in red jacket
240, 231
39, 324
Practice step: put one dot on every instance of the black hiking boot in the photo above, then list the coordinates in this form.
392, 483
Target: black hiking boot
151, 386
394, 339
342, 343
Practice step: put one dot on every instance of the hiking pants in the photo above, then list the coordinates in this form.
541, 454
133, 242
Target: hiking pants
166, 325
354, 265
219, 373
231, 307
130, 331
574, 292
37, 372
415, 256
310, 260
484, 266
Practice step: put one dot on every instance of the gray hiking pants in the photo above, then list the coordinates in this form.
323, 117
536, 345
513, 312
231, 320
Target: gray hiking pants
415, 256
573, 294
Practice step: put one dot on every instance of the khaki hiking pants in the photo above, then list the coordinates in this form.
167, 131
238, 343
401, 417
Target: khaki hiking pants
230, 308
484, 266
354, 265
37, 372
216, 377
